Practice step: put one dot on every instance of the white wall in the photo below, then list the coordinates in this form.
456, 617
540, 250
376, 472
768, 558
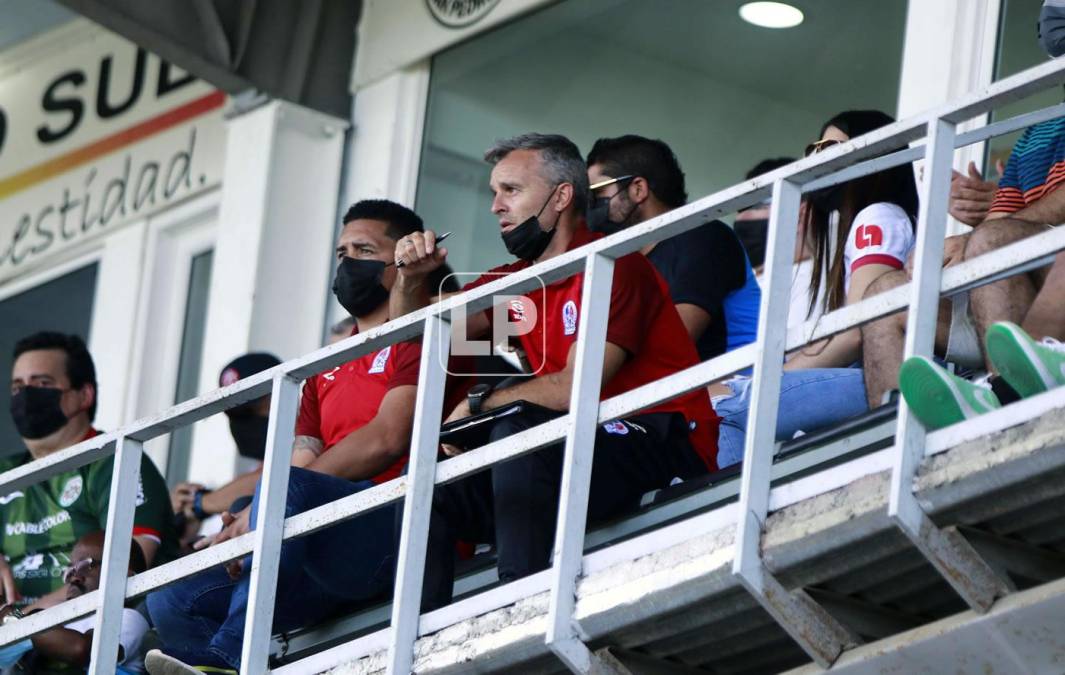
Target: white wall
272, 260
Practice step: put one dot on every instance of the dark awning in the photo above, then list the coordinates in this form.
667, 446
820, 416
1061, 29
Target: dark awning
300, 51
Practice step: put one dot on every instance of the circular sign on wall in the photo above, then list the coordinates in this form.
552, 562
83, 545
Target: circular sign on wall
459, 13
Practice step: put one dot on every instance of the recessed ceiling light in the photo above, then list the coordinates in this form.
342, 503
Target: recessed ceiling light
771, 14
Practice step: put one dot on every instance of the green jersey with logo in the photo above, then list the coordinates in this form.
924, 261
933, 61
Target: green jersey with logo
41, 523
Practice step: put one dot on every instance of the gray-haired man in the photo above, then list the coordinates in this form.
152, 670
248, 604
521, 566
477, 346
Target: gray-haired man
540, 185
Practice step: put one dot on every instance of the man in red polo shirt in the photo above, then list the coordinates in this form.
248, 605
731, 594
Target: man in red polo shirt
540, 184
352, 432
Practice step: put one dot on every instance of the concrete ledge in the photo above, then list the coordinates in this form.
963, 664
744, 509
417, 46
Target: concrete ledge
651, 596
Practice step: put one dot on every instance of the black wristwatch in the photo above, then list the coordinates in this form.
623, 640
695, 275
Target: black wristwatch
477, 395
197, 505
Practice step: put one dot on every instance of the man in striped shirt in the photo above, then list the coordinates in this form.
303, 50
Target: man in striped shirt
1006, 314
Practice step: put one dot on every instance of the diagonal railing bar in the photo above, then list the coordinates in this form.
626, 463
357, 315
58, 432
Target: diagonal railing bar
838, 158
1010, 259
912, 154
68, 459
859, 156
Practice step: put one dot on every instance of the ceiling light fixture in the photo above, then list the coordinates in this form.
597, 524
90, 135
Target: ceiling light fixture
771, 14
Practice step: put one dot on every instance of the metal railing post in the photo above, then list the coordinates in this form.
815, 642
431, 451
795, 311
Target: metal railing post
266, 556
418, 502
952, 557
117, 541
805, 621
563, 635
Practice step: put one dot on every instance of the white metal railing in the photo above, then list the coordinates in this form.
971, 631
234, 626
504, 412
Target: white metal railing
813, 629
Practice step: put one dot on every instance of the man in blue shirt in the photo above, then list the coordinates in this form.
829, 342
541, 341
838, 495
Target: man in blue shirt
634, 179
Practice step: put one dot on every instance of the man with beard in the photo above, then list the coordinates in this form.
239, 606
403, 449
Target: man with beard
634, 179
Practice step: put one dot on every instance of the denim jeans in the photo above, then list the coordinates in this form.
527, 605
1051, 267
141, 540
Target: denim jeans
809, 400
345, 563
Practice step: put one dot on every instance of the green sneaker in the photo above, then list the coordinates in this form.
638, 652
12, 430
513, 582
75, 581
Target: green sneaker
1028, 366
940, 399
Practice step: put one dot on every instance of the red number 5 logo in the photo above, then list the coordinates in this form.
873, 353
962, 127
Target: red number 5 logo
869, 235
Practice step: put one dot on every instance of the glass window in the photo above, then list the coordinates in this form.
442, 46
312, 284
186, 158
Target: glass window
1018, 49
63, 305
188, 379
723, 93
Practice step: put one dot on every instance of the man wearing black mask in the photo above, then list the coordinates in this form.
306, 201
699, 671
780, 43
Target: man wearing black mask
247, 424
53, 404
634, 179
352, 432
540, 187
752, 223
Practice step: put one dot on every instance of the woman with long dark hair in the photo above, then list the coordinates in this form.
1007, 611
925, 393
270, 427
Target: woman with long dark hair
875, 218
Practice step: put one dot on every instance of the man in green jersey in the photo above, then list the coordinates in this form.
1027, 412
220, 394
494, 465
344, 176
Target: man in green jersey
53, 403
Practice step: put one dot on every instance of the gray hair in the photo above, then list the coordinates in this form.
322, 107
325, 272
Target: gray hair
561, 160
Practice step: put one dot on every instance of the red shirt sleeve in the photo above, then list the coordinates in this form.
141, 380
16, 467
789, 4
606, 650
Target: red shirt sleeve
309, 420
406, 361
635, 298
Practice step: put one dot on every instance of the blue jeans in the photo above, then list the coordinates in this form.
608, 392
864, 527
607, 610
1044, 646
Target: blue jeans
349, 562
809, 400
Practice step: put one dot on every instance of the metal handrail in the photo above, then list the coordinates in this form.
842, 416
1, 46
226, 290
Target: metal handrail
860, 156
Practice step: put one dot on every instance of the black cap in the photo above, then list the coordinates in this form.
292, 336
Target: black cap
248, 364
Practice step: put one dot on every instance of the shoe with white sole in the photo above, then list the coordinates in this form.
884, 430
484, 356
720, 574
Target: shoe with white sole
1028, 366
158, 662
940, 399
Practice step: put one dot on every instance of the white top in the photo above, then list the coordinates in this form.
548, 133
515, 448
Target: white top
881, 234
134, 627
802, 276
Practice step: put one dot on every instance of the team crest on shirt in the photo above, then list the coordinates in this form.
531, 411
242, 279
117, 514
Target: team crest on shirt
618, 428
569, 318
869, 235
517, 310
71, 491
379, 361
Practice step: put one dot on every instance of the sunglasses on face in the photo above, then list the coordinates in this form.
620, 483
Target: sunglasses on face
818, 146
621, 181
80, 569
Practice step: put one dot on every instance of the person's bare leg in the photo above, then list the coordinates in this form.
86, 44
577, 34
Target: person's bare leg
1011, 298
1046, 317
884, 340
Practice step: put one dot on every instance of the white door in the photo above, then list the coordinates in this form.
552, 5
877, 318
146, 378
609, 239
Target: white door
172, 310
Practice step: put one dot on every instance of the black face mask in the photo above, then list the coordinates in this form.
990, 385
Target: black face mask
36, 412
828, 199
599, 215
249, 432
357, 285
528, 240
1051, 28
752, 234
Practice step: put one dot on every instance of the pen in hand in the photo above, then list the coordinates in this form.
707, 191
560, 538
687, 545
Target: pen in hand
438, 240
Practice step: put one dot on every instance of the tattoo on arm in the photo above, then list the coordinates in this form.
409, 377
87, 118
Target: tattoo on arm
308, 443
